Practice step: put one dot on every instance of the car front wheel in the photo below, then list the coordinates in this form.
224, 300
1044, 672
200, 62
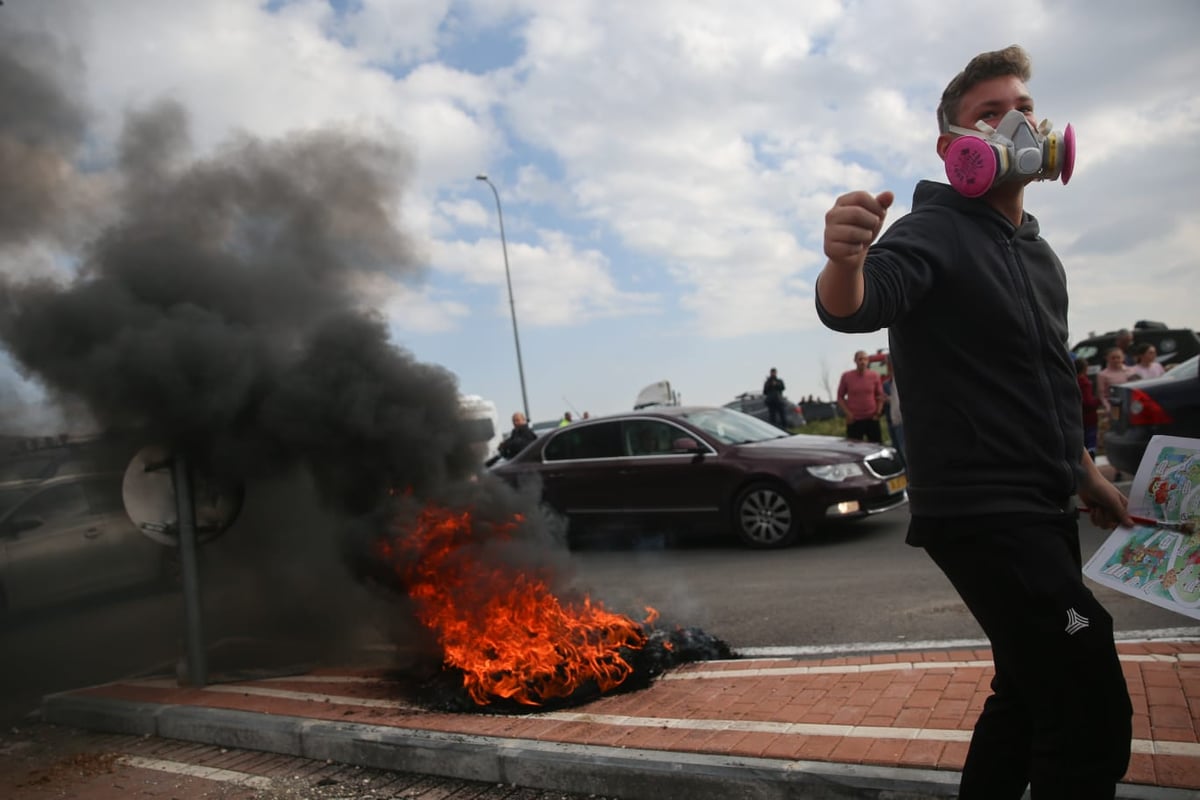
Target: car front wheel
765, 517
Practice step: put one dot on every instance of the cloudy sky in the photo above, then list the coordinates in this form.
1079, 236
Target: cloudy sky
663, 167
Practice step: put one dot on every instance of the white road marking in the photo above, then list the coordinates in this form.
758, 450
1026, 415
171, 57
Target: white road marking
752, 726
198, 771
819, 650
891, 666
1187, 749
835, 669
284, 694
1151, 635
300, 677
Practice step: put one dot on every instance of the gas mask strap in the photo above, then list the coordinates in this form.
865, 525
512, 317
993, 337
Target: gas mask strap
982, 129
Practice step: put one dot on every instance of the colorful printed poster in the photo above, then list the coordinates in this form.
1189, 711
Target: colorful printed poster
1159, 559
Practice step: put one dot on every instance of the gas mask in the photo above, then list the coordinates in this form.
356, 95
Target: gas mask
1014, 150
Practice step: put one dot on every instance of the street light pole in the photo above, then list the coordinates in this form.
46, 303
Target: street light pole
511, 305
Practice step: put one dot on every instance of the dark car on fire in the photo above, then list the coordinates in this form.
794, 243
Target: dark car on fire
706, 466
1169, 405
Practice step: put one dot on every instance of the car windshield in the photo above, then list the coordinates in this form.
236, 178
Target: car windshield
732, 427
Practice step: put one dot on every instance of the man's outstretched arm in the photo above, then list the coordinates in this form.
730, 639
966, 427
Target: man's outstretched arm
850, 227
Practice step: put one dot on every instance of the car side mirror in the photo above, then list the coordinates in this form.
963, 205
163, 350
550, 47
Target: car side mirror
686, 444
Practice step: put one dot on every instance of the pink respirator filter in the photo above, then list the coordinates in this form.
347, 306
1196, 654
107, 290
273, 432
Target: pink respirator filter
1068, 154
971, 164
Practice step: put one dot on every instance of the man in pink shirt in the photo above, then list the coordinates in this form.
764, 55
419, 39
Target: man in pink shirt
860, 396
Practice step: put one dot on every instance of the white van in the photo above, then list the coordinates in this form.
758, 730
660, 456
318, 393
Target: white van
658, 393
483, 425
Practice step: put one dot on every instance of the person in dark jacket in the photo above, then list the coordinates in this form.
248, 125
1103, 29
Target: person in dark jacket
773, 389
519, 438
994, 435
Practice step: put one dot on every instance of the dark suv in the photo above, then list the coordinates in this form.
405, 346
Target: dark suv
755, 405
1174, 345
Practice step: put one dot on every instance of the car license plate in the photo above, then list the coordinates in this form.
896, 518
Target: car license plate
897, 483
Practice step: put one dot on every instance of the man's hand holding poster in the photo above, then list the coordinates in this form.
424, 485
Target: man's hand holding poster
1158, 560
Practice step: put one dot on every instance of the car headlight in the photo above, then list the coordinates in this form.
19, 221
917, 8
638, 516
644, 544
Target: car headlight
836, 472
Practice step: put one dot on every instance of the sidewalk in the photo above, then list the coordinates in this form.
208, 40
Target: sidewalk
887, 725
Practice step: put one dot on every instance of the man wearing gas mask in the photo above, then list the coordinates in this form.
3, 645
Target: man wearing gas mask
994, 436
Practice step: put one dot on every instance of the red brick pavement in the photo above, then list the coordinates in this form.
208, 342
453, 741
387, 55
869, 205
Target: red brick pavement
898, 709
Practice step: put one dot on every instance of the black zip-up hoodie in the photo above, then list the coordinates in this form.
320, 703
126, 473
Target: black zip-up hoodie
976, 312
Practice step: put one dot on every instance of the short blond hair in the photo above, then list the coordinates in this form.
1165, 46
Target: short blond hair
1012, 60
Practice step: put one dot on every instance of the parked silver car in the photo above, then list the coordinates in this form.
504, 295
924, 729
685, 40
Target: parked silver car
70, 538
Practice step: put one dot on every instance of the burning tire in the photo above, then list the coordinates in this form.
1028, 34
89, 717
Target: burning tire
764, 515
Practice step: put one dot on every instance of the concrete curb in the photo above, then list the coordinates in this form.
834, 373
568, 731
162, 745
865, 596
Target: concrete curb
553, 766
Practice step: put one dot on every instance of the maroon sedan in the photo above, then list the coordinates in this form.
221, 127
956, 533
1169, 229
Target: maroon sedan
703, 466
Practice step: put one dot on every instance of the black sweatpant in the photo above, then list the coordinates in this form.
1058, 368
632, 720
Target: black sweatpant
1059, 718
868, 430
776, 415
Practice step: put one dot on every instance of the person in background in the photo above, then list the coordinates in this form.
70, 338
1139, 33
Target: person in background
1114, 373
566, 419
518, 438
1088, 404
1145, 361
586, 415
773, 396
1125, 344
860, 396
996, 461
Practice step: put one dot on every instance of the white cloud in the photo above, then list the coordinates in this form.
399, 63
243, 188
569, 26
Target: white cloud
554, 284
413, 310
467, 213
388, 31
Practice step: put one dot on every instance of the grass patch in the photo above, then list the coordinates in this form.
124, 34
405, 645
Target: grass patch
824, 427
835, 427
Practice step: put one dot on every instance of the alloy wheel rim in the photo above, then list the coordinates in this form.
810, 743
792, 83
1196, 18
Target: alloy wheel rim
766, 517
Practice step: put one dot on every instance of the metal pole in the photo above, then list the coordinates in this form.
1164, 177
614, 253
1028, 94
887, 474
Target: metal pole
186, 511
512, 307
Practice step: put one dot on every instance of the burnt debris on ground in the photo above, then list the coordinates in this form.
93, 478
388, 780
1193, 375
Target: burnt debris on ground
665, 648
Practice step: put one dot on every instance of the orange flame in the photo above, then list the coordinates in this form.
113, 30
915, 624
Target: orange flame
507, 632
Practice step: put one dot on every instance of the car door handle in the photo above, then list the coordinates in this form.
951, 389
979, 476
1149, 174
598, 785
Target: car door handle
92, 533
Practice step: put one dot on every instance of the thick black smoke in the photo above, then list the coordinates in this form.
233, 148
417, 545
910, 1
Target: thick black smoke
220, 315
221, 311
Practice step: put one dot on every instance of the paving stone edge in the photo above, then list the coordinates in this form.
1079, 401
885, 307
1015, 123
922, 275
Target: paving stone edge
554, 766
